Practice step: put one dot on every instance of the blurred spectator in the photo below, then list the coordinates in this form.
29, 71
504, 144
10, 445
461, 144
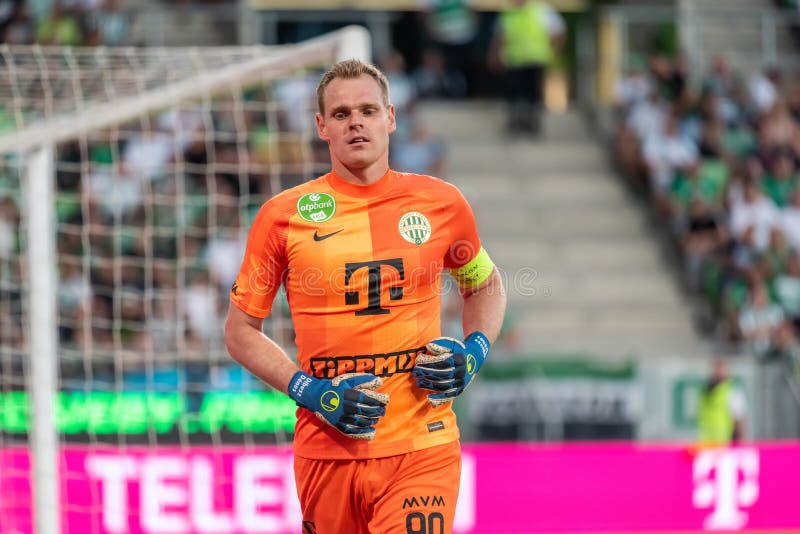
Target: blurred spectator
450, 22
74, 298
528, 36
776, 257
293, 96
199, 304
404, 92
787, 289
19, 31
666, 152
434, 79
702, 237
790, 221
721, 81
695, 182
162, 323
147, 153
647, 117
634, 87
787, 348
223, 255
10, 12
754, 211
669, 78
760, 320
745, 254
767, 148
722, 408
710, 145
419, 151
643, 118
781, 180
779, 124
737, 271
62, 27
452, 26
115, 192
764, 87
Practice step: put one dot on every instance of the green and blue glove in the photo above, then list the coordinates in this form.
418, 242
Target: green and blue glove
347, 402
448, 366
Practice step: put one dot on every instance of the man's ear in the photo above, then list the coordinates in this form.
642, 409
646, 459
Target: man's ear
392, 121
321, 132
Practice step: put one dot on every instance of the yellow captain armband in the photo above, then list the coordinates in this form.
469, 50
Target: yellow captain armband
474, 273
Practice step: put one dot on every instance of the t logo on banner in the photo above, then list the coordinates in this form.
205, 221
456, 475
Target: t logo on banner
718, 485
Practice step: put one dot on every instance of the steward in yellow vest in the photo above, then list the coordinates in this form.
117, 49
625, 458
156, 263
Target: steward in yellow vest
523, 48
526, 40
721, 409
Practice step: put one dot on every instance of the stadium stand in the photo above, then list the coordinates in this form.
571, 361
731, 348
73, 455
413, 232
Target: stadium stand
719, 165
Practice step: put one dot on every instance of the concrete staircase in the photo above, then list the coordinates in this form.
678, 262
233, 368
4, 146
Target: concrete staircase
584, 272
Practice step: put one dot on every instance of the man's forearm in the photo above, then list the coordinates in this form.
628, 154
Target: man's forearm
260, 355
485, 307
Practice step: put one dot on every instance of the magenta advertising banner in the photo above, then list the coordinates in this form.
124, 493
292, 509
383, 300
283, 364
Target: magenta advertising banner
505, 489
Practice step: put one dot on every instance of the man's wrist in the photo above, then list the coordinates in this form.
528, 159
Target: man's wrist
479, 339
298, 385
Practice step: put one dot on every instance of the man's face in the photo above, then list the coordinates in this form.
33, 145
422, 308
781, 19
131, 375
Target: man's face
356, 124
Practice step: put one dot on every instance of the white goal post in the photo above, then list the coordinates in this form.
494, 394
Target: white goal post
33, 145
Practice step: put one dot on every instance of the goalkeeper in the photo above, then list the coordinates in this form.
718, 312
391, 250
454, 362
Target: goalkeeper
360, 252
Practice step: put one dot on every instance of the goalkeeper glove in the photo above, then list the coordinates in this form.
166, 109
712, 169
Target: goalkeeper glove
346, 402
449, 365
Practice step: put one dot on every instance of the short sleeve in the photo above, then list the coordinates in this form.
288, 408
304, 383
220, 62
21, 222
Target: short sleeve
466, 260
465, 244
264, 263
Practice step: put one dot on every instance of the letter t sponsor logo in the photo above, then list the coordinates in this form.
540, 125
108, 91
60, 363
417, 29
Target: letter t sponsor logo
726, 480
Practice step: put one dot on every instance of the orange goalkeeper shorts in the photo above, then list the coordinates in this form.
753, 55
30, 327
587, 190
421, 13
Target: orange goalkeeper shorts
410, 493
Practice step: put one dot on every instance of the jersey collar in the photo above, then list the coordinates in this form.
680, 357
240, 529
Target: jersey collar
341, 185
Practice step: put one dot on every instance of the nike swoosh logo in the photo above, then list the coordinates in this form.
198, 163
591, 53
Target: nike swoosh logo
318, 237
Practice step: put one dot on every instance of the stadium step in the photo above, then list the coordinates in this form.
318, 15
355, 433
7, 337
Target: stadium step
589, 222
578, 255
635, 330
582, 289
582, 266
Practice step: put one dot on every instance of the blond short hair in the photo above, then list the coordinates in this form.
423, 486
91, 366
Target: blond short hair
350, 69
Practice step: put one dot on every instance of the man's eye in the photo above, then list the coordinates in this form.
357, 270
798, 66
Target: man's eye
369, 111
338, 116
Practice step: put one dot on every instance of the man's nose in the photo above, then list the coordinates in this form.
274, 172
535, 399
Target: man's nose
356, 119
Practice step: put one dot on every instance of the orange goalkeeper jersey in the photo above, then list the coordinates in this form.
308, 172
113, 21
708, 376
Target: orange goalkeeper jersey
362, 270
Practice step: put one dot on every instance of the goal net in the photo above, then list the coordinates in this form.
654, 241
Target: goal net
128, 181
